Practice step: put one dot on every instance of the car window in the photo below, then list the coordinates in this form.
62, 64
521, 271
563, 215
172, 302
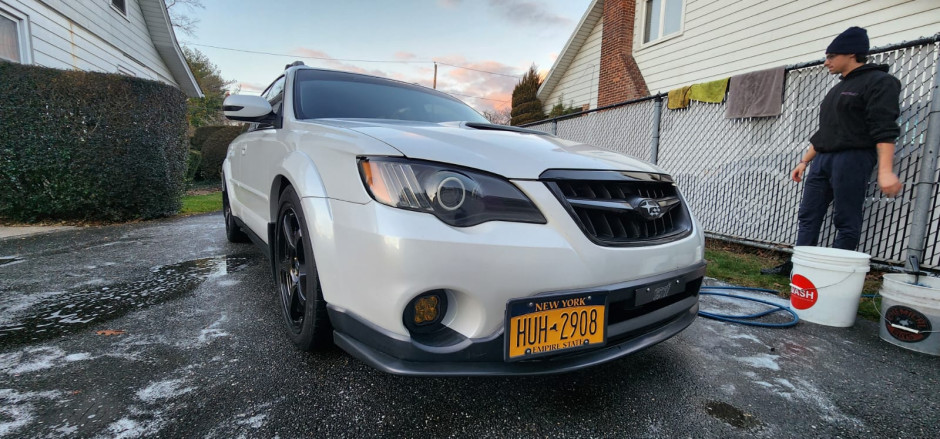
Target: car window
274, 94
319, 95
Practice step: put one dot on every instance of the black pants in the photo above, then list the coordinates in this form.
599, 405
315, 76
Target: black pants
841, 179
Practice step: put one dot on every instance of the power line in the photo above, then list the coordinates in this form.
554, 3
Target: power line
478, 70
308, 57
475, 97
361, 60
323, 58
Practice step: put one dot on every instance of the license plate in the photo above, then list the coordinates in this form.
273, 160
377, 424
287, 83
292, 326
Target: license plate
548, 325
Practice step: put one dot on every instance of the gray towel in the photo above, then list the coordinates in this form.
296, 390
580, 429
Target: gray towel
756, 94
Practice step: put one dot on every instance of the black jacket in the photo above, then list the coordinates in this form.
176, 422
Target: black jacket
860, 111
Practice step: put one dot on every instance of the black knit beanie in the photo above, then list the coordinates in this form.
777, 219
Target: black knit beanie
853, 41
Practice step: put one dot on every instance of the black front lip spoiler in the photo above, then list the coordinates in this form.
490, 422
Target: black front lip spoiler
400, 356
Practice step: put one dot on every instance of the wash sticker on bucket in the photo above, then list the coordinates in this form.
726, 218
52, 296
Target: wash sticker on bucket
917, 324
803, 294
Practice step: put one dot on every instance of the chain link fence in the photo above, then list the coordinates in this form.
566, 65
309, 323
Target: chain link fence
734, 173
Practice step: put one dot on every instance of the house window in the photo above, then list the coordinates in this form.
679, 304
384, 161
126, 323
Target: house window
120, 5
14, 37
663, 18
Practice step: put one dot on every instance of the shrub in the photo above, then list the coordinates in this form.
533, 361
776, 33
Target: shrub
192, 165
89, 146
214, 149
561, 110
201, 134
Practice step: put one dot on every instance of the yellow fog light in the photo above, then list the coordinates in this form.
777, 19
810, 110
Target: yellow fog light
427, 309
425, 312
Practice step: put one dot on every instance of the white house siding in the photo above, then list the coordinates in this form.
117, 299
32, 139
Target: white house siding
723, 38
91, 35
578, 86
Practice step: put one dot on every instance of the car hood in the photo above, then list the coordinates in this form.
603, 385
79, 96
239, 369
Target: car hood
511, 154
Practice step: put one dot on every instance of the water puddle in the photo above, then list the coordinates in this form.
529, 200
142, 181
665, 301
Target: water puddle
731, 415
72, 311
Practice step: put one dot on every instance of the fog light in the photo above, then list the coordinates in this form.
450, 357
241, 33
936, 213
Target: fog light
426, 311
427, 308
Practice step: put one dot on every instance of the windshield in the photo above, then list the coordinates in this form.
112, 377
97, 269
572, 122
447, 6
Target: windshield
322, 94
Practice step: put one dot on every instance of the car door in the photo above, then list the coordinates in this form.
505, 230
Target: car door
258, 157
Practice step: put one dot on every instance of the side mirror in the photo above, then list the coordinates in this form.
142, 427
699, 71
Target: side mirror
246, 108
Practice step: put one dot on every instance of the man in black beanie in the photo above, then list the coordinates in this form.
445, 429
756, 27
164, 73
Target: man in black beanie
857, 130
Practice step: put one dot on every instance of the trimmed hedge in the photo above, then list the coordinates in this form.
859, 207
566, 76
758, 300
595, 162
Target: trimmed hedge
201, 134
89, 146
214, 150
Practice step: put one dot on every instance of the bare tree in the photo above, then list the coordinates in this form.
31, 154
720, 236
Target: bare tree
498, 117
179, 14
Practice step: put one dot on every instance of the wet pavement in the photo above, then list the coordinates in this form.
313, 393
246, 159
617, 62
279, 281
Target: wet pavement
164, 329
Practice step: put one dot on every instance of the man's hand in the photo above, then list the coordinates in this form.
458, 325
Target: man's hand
797, 173
889, 183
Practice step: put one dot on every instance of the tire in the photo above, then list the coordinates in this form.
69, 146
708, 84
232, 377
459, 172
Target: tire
298, 284
232, 232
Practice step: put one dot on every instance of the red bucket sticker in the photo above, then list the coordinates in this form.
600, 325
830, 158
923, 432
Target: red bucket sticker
803, 293
907, 324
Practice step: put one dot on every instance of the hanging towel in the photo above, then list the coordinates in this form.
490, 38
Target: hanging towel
756, 94
713, 92
678, 98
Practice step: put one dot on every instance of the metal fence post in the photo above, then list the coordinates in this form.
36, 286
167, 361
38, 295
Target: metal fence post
924, 187
555, 127
657, 117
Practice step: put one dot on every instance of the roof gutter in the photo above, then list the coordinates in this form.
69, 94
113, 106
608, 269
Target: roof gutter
164, 40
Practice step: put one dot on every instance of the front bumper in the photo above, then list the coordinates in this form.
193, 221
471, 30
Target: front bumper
374, 259
630, 329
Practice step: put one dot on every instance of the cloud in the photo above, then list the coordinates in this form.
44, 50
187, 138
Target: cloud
473, 85
251, 88
405, 56
449, 4
528, 12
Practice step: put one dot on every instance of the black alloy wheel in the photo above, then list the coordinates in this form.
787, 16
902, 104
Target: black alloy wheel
298, 285
232, 232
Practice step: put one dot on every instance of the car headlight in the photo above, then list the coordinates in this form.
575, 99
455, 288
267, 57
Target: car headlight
457, 196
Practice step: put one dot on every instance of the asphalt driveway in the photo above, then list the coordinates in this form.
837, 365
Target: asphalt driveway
164, 329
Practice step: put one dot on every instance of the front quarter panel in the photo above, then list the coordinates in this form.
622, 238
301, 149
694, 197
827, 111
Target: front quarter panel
332, 157
303, 174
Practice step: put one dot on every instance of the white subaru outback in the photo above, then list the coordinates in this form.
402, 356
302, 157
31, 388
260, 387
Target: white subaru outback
423, 240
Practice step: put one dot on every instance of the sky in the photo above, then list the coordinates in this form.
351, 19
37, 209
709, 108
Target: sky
492, 41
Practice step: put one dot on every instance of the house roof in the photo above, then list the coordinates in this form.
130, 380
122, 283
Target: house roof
577, 39
164, 39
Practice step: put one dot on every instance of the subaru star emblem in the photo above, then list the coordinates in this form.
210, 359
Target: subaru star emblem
650, 209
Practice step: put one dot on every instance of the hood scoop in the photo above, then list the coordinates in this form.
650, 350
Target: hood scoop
495, 127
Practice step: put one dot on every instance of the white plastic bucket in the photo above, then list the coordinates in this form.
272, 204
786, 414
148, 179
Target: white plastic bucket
911, 313
826, 284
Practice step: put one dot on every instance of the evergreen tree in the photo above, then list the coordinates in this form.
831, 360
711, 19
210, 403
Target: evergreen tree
526, 107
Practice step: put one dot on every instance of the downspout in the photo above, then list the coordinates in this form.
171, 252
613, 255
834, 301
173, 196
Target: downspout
657, 118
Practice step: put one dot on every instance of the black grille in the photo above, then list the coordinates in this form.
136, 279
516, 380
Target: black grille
621, 208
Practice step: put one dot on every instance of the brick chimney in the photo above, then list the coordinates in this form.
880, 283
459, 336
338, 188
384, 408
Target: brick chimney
620, 77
